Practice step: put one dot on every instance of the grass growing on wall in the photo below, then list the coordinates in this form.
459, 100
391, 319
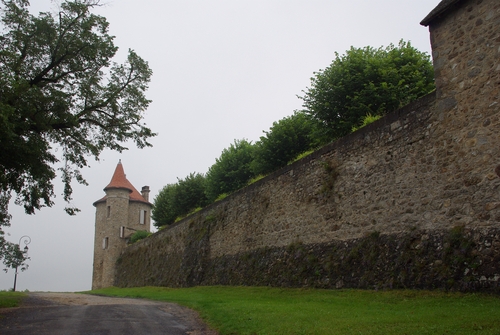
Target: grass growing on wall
263, 310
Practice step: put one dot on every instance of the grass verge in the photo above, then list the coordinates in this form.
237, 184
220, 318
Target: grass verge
10, 299
263, 310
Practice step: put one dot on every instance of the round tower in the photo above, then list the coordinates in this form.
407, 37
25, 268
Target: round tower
119, 214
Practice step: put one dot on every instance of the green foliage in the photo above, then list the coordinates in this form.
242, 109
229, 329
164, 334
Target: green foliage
197, 209
221, 197
177, 200
191, 192
211, 218
286, 139
59, 89
256, 179
164, 212
10, 253
366, 81
332, 173
231, 171
13, 256
138, 235
458, 255
302, 155
239, 165
185, 215
354, 91
367, 119
10, 299
265, 310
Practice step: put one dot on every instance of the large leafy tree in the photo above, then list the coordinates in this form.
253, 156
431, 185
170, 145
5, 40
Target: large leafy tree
175, 200
284, 141
231, 171
367, 81
62, 99
14, 257
191, 192
164, 211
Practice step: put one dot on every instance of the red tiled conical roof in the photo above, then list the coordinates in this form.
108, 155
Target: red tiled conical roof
120, 181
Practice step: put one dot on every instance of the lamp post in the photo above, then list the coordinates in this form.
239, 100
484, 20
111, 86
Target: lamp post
26, 241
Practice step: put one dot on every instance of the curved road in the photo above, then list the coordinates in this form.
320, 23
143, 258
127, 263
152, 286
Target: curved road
70, 313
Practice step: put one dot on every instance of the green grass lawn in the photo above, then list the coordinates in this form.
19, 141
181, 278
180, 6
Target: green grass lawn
10, 299
262, 310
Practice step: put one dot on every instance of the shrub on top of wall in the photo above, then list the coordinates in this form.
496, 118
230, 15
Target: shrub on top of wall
138, 235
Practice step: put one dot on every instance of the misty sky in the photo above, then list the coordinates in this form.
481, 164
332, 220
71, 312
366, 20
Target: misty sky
222, 70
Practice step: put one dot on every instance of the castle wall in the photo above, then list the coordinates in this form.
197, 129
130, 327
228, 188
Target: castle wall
412, 200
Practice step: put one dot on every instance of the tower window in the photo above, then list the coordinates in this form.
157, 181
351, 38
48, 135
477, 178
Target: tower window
108, 211
142, 217
105, 243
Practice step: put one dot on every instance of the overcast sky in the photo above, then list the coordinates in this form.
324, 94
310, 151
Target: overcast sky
222, 70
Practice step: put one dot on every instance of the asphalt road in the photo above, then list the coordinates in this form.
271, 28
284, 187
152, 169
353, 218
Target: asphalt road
69, 313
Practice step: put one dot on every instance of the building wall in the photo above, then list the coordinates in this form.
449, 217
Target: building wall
108, 225
412, 200
466, 55
465, 50
134, 216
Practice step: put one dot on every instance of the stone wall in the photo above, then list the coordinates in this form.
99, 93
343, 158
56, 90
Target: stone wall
412, 200
375, 209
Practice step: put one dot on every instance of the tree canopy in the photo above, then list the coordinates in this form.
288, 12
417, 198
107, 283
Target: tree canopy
164, 211
175, 200
284, 141
14, 257
62, 99
366, 81
231, 171
355, 90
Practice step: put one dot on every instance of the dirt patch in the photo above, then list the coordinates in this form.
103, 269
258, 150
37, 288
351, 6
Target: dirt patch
87, 299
